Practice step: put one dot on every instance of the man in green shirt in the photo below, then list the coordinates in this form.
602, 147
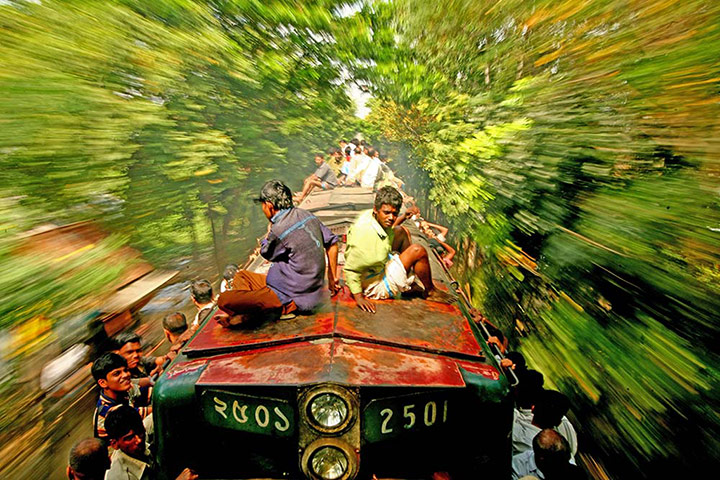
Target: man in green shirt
378, 257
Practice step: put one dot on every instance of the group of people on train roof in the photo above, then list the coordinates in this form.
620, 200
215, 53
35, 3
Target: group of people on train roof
381, 262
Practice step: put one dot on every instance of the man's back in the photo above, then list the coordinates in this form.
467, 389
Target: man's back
325, 174
296, 244
371, 173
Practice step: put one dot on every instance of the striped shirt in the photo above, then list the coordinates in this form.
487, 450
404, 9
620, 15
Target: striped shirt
104, 406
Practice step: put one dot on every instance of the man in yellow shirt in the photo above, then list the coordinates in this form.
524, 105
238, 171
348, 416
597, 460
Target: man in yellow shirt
379, 257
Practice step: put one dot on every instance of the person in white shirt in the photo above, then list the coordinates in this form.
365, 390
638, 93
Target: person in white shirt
131, 459
548, 412
358, 164
372, 171
549, 458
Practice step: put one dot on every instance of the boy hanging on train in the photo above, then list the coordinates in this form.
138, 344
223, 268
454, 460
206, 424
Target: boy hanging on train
379, 257
111, 373
131, 457
297, 244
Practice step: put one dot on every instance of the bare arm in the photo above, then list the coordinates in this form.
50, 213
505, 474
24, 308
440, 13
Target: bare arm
408, 213
450, 251
443, 230
332, 254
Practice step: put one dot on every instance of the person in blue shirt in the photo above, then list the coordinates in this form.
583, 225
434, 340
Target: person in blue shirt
297, 244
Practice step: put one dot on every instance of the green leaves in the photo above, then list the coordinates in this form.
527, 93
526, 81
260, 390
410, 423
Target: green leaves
567, 142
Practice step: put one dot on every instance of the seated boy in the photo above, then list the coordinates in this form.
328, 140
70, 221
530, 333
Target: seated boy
112, 376
131, 458
379, 256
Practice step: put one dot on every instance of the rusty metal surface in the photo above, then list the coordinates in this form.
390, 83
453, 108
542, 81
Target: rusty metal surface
214, 338
332, 360
415, 322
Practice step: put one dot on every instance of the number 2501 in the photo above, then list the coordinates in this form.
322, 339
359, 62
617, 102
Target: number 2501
429, 416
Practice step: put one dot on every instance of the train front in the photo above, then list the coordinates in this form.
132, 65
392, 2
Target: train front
338, 395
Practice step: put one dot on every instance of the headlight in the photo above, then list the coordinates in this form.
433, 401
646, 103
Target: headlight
329, 463
328, 410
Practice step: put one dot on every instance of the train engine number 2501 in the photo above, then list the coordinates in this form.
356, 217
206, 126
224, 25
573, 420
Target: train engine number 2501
396, 416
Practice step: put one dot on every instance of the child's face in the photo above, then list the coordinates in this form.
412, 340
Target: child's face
117, 380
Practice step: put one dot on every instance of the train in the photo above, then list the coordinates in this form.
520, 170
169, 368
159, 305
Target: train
412, 391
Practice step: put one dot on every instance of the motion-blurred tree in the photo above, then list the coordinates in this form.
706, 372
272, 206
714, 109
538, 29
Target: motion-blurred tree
572, 143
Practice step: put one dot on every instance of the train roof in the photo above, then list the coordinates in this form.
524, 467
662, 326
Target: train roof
409, 341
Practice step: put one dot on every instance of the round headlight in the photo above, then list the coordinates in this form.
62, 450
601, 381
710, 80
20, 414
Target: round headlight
328, 410
329, 463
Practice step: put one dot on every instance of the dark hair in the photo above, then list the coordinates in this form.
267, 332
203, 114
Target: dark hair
552, 451
363, 142
201, 291
355, 141
549, 409
230, 271
518, 360
277, 193
383, 157
105, 364
333, 151
343, 141
175, 323
358, 150
320, 155
371, 151
348, 150
89, 458
529, 389
121, 339
388, 196
120, 420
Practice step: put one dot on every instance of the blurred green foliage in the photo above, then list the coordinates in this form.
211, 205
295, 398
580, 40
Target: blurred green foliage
573, 146
157, 121
161, 119
165, 117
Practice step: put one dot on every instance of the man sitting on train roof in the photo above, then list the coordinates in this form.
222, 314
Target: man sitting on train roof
296, 243
323, 178
131, 458
372, 269
112, 376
